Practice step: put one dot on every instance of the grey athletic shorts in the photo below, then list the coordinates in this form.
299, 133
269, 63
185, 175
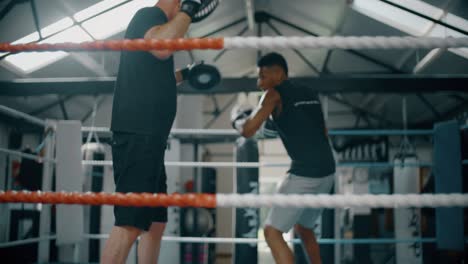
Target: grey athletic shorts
284, 218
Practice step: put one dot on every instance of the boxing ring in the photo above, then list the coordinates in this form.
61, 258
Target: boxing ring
219, 200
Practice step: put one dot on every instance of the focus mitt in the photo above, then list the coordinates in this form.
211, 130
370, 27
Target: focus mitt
198, 9
185, 72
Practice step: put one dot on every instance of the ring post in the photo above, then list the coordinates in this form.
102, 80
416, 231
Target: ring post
47, 172
448, 179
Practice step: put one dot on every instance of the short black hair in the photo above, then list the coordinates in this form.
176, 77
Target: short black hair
273, 59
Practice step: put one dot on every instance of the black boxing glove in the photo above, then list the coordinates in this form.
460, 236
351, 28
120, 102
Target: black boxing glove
190, 7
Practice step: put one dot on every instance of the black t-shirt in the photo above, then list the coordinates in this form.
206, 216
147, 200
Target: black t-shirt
145, 96
301, 127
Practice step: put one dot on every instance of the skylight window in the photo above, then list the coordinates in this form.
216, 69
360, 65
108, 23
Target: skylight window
96, 9
413, 24
28, 62
100, 27
56, 27
114, 21
392, 16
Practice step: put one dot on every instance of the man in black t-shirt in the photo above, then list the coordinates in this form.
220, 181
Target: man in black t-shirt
295, 112
144, 109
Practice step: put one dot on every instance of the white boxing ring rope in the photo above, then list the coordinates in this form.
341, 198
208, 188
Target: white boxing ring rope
225, 164
15, 113
26, 241
228, 240
232, 132
176, 131
25, 155
342, 201
196, 164
344, 42
314, 201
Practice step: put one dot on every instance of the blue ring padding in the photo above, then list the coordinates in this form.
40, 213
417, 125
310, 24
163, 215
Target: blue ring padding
380, 132
465, 162
464, 127
383, 164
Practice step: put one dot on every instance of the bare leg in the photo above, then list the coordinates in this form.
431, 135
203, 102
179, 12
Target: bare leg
279, 248
119, 243
310, 243
150, 243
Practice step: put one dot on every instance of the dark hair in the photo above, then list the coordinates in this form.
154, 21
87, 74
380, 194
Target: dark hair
273, 59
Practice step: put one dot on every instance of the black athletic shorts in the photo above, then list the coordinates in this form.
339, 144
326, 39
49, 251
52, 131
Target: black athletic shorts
138, 162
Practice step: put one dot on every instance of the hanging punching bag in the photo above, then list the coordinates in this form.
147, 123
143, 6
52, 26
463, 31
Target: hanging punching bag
97, 219
247, 219
407, 220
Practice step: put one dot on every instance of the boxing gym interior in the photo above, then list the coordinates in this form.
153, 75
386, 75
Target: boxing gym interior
392, 80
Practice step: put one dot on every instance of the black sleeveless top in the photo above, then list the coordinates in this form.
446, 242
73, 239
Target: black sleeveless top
301, 127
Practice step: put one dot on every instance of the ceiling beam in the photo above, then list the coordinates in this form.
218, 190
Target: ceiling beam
401, 84
20, 124
36, 18
361, 111
50, 105
8, 7
229, 25
98, 100
250, 10
84, 59
298, 53
450, 114
63, 109
431, 107
428, 60
356, 53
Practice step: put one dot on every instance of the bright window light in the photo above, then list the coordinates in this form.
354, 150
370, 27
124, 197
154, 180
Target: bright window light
392, 16
116, 20
74, 35
28, 62
456, 21
412, 24
100, 27
421, 7
29, 38
441, 31
96, 9
56, 27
